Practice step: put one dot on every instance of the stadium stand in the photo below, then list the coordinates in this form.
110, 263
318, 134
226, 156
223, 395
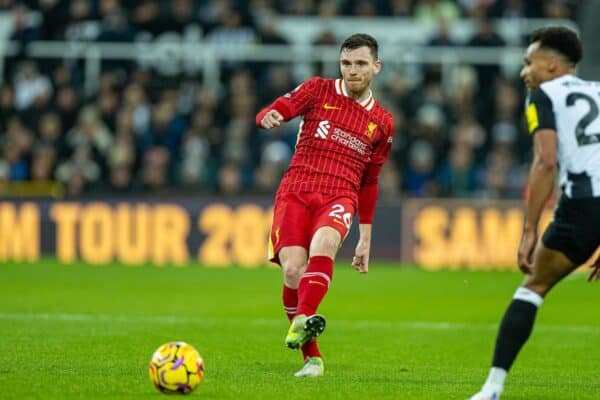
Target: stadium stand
158, 109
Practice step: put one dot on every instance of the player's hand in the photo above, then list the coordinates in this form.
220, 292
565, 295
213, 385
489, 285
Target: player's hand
272, 119
526, 247
595, 274
360, 261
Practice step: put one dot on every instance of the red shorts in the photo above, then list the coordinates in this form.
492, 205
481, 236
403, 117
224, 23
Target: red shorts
298, 215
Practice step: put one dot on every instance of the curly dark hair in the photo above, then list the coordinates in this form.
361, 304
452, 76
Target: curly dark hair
561, 39
359, 40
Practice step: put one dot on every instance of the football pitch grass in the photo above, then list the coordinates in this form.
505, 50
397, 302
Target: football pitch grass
88, 332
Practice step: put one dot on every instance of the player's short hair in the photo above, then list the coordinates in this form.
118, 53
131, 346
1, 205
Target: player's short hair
359, 40
561, 39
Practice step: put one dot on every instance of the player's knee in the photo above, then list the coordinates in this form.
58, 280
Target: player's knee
541, 280
293, 270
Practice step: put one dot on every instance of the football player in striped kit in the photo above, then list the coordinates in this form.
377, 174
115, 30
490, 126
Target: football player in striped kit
344, 138
563, 118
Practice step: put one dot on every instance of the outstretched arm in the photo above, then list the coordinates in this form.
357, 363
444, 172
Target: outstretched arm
288, 106
274, 114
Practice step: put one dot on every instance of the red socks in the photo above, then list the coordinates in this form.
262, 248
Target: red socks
290, 301
314, 284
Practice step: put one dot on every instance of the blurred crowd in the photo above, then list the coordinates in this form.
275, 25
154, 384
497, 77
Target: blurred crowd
142, 132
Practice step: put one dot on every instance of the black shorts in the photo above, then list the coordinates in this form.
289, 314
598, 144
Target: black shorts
575, 230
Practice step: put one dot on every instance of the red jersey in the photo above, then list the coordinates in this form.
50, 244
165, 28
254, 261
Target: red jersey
342, 143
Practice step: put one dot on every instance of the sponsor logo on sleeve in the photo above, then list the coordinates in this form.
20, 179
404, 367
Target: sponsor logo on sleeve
532, 117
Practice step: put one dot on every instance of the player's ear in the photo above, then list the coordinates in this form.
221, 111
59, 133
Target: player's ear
552, 64
378, 65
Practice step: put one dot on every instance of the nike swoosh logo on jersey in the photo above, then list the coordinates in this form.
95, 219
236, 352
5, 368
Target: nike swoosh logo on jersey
330, 107
317, 282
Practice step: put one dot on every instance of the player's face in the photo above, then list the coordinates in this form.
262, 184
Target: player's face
538, 67
358, 68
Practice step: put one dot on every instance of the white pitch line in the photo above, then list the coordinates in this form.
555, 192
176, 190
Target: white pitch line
345, 324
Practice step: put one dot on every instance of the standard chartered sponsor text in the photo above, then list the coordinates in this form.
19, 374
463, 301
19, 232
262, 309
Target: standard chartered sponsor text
349, 141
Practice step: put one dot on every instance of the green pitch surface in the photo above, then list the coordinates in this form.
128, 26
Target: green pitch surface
88, 332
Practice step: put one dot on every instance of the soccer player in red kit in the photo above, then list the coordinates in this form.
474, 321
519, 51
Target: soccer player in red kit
344, 138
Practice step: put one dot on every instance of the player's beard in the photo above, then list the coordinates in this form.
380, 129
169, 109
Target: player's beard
358, 88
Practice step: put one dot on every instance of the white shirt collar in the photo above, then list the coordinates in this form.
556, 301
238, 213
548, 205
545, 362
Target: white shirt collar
340, 88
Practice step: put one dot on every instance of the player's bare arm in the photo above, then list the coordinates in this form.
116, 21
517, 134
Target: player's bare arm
542, 176
360, 261
272, 119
